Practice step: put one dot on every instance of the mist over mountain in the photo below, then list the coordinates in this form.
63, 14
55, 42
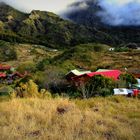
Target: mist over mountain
126, 12
111, 13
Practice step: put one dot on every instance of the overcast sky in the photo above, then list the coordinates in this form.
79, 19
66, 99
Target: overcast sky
52, 5
47, 5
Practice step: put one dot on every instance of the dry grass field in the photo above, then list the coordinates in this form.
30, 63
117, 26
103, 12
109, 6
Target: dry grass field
111, 118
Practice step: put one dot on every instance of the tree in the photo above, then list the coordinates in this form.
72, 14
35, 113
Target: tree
128, 79
97, 86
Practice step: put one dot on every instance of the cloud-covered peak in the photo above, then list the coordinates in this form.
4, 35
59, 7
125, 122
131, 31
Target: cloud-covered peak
116, 12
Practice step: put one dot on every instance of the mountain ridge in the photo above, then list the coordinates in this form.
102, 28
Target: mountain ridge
47, 28
41, 27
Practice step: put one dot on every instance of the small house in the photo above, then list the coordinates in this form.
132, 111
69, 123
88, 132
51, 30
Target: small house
75, 73
113, 74
4, 67
2, 75
111, 49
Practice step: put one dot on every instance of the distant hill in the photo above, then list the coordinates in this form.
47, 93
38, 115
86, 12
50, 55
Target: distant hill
94, 56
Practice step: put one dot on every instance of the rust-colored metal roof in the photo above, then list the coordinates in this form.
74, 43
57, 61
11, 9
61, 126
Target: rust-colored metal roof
114, 74
4, 67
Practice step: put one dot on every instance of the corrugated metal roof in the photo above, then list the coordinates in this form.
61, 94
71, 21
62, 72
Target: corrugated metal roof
110, 74
2, 75
78, 73
4, 67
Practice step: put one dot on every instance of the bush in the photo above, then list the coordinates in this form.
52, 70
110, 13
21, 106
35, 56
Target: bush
7, 52
98, 48
42, 64
29, 89
128, 79
97, 86
27, 66
121, 49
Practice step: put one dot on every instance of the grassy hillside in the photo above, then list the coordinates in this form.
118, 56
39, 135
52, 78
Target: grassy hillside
84, 56
49, 66
112, 118
95, 56
16, 54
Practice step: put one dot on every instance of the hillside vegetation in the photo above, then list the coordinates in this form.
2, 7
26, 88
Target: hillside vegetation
90, 56
46, 28
41, 27
95, 56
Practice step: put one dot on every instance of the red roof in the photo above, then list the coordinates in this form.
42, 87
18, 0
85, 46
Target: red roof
4, 67
2, 75
114, 74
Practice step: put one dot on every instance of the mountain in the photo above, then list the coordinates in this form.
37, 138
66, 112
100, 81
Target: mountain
85, 16
89, 16
46, 28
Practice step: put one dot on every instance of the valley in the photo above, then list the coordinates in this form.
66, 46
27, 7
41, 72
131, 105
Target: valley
69, 76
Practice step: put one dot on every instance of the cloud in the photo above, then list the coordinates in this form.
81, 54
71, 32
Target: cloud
111, 12
47, 5
120, 12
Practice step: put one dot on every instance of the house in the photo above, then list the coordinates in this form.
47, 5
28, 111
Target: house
113, 74
101, 70
2, 75
8, 74
75, 73
111, 49
4, 67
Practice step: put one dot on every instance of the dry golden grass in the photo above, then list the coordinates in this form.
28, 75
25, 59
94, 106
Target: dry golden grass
112, 118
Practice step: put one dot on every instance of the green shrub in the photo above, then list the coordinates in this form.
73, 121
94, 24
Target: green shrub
7, 52
26, 66
97, 86
128, 79
121, 49
42, 64
29, 89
